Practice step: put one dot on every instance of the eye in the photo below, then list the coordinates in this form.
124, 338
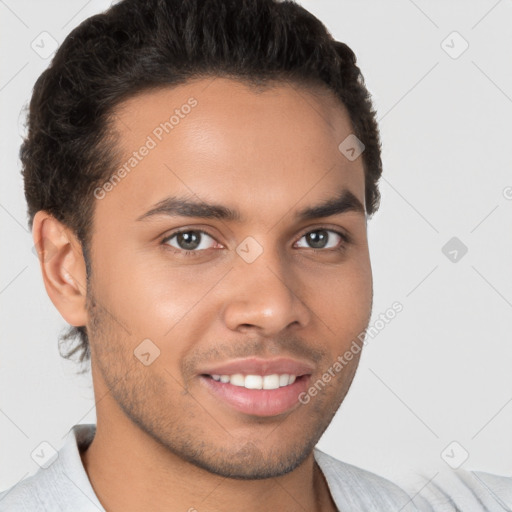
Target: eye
191, 240
323, 239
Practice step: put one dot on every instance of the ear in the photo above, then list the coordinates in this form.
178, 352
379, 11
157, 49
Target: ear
62, 267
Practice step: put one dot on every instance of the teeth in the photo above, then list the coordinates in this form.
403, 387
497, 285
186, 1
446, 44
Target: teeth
237, 380
253, 382
284, 379
274, 381
271, 381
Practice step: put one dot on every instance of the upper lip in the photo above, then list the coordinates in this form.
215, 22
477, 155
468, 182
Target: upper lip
259, 366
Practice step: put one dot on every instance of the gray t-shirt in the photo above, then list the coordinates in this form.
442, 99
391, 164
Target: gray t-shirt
469, 491
64, 485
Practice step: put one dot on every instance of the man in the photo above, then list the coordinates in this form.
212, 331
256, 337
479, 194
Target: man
199, 175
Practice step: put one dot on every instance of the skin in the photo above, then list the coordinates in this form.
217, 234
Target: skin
162, 437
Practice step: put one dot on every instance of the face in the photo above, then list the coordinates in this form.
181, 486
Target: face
230, 269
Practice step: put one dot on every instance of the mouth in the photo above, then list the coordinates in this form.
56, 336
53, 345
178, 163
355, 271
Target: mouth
254, 387
274, 381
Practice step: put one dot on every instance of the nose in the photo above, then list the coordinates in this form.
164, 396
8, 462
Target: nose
264, 297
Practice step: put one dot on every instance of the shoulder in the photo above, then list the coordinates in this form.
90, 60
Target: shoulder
31, 494
469, 490
359, 489
62, 485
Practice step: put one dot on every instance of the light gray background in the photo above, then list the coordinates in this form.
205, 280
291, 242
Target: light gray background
441, 370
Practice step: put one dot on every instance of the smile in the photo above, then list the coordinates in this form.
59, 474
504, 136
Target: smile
273, 381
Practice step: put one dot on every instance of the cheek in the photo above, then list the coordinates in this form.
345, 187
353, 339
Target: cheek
154, 297
172, 291
342, 299
128, 280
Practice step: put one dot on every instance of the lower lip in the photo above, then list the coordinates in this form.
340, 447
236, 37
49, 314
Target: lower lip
258, 402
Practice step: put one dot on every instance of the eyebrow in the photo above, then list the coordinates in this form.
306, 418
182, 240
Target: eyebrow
345, 202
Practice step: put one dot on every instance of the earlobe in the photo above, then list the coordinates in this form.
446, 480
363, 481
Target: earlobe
62, 266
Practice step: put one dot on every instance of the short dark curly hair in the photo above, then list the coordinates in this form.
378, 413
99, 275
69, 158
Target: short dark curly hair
137, 45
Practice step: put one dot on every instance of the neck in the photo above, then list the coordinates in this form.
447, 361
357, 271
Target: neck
128, 469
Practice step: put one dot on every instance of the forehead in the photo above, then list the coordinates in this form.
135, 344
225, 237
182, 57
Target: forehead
221, 140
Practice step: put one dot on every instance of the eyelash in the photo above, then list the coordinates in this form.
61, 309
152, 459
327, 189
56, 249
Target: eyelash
346, 240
